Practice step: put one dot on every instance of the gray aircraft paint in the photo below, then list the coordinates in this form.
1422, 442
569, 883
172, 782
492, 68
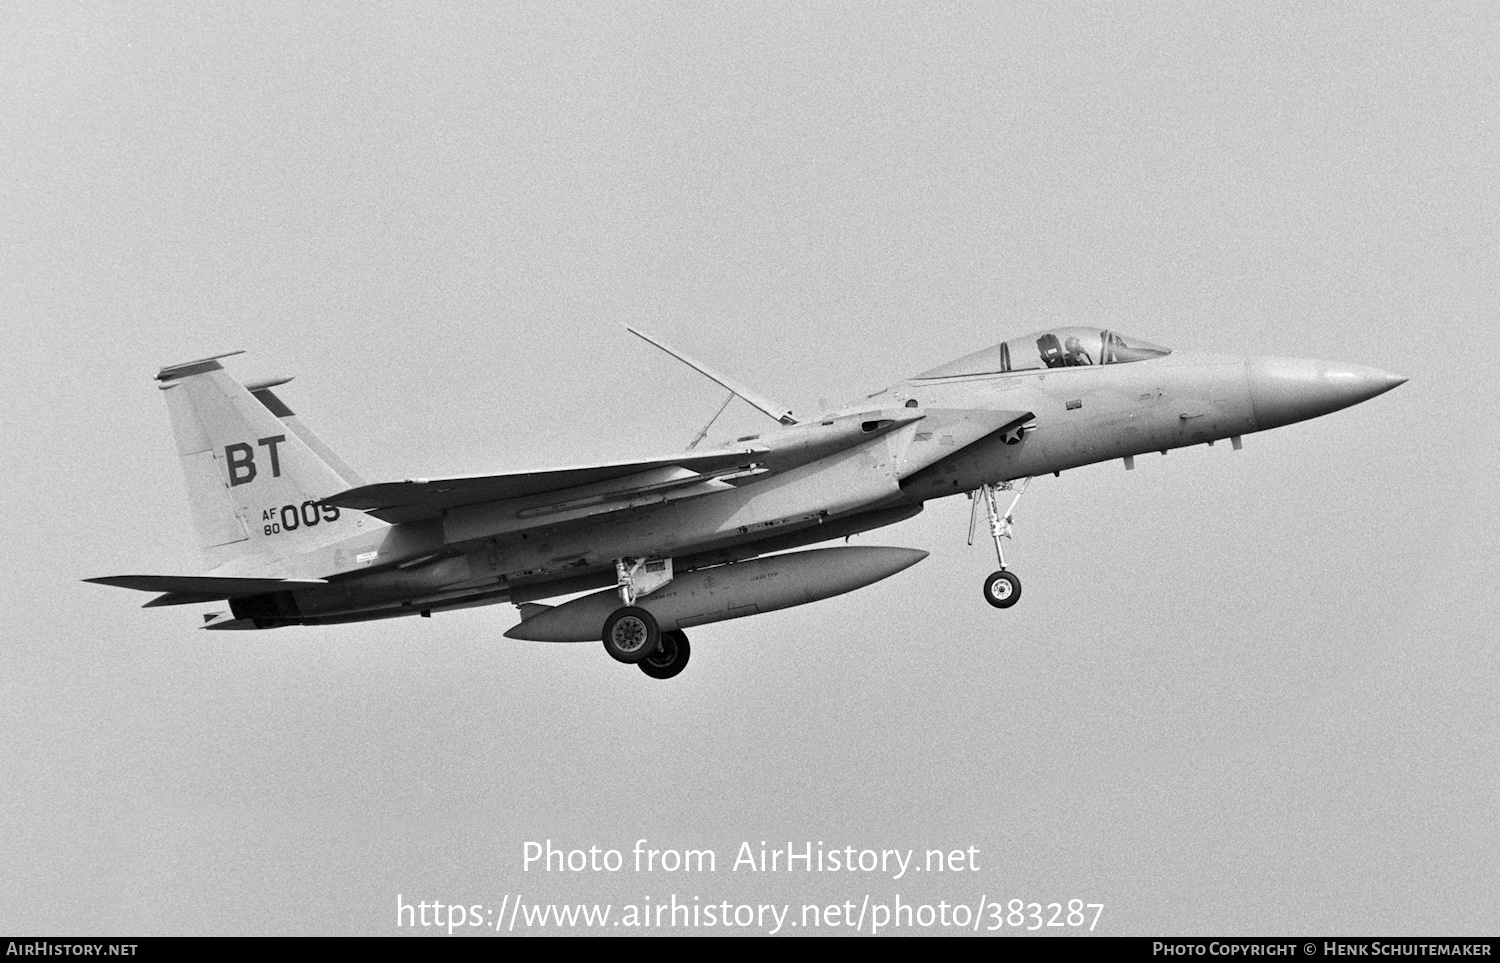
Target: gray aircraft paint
269, 505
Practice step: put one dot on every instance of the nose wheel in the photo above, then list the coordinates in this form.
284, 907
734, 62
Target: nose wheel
1003, 588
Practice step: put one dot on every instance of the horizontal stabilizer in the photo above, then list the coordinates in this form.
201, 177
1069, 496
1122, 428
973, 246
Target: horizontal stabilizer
183, 589
414, 499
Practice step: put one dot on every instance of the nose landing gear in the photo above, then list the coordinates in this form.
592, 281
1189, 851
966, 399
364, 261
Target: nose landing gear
1003, 588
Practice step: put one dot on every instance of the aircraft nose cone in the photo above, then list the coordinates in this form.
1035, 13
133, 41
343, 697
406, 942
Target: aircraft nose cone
1285, 390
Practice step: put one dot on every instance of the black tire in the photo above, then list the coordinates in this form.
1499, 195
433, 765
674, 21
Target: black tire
670, 658
631, 634
1002, 590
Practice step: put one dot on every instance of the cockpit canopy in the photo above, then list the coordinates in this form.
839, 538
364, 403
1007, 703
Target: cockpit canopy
1057, 348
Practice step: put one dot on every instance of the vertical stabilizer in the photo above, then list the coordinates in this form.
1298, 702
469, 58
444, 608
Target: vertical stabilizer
255, 480
274, 404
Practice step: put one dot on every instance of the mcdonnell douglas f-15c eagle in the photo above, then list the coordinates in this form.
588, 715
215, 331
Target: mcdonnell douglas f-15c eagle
292, 536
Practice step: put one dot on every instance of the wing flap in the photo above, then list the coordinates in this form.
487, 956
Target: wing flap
420, 498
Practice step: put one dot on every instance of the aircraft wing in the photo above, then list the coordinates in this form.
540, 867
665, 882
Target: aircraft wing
420, 498
188, 589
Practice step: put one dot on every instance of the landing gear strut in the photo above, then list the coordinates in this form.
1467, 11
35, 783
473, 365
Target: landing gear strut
631, 634
1003, 588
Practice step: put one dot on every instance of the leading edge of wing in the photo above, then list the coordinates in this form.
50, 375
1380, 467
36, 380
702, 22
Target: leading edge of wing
418, 498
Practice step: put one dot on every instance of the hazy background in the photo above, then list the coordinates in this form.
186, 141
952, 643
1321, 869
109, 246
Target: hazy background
1246, 692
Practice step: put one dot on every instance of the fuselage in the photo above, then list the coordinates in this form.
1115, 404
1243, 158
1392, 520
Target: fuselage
862, 466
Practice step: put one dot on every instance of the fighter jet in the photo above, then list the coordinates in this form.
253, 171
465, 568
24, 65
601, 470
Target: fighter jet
292, 536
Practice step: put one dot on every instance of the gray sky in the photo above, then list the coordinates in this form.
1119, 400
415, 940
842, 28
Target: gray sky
1246, 692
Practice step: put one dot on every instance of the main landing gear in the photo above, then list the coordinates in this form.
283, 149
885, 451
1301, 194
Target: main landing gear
631, 634
670, 658
1003, 588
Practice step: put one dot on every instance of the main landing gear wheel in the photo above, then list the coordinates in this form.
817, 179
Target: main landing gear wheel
670, 658
631, 634
1002, 590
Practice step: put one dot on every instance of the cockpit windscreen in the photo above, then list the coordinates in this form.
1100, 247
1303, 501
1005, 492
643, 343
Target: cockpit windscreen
1058, 348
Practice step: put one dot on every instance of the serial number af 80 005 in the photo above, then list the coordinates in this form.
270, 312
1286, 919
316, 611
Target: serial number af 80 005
289, 518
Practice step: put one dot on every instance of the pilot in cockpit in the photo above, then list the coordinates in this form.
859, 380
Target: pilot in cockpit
1077, 354
1059, 354
1068, 347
